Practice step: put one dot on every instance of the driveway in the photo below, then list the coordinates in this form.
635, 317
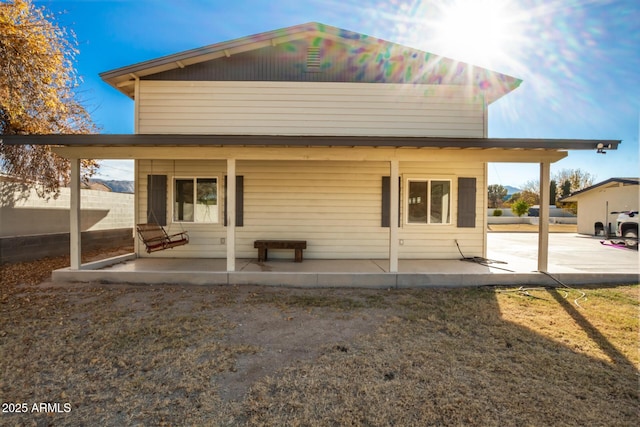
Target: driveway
568, 252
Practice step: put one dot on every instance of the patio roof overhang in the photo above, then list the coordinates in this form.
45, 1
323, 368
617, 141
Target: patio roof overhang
275, 147
131, 140
158, 146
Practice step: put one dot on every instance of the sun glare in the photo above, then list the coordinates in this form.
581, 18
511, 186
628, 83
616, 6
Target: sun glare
476, 31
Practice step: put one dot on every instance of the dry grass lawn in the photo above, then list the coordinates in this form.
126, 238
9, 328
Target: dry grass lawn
177, 355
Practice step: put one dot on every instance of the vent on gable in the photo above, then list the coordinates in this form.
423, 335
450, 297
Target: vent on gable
313, 59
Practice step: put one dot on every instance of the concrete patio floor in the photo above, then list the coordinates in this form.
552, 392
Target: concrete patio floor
573, 259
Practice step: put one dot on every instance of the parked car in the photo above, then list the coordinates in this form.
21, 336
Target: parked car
627, 227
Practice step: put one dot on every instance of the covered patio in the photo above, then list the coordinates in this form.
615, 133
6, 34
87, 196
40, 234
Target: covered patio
229, 266
574, 260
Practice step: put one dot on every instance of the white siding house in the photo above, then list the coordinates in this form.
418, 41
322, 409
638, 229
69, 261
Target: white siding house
361, 147
335, 205
309, 108
333, 202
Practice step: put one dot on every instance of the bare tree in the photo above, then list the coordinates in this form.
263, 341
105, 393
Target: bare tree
571, 180
577, 178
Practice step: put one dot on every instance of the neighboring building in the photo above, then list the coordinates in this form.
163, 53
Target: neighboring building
362, 147
596, 203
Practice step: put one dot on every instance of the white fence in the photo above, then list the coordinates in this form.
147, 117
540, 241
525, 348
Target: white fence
556, 216
528, 220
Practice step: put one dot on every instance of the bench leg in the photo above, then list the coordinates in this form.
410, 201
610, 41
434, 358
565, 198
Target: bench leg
298, 255
262, 254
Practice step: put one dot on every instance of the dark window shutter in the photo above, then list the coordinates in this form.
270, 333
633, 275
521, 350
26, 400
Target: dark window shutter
157, 199
467, 202
239, 201
386, 201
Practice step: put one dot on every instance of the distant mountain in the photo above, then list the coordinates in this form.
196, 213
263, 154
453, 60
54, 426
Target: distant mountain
117, 186
512, 190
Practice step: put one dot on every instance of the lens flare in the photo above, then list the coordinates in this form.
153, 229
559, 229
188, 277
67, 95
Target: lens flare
479, 32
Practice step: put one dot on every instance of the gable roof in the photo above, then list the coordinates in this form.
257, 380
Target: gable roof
313, 52
611, 182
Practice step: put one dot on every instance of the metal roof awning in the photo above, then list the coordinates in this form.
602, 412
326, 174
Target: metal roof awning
151, 140
290, 147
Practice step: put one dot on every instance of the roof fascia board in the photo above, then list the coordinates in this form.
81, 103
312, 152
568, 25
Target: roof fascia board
120, 78
301, 153
212, 51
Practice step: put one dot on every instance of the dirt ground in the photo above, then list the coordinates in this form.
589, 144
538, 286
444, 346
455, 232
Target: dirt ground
277, 329
251, 355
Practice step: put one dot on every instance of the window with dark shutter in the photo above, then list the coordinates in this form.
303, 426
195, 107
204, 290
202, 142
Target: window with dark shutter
428, 201
196, 200
467, 202
157, 199
239, 201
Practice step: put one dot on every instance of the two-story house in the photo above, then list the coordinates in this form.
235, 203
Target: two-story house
361, 147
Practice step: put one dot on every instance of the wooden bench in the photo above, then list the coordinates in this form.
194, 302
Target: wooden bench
264, 245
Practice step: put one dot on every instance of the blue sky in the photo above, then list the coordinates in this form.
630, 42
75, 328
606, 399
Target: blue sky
579, 60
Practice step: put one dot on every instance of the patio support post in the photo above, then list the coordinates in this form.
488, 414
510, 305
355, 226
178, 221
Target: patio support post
231, 214
75, 234
393, 217
543, 226
136, 205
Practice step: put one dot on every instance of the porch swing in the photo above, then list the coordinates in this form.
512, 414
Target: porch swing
152, 234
